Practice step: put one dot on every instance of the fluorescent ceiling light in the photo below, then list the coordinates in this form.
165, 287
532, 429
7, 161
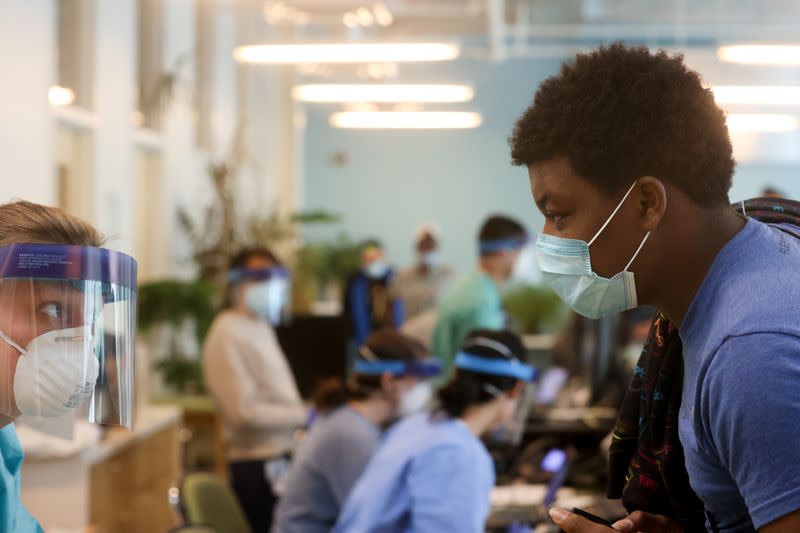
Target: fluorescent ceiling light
346, 53
387, 93
765, 123
422, 120
761, 54
60, 96
786, 95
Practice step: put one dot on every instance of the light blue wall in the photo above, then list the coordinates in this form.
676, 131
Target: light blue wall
395, 181
751, 178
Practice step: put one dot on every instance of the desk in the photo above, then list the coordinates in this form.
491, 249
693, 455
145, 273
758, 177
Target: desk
523, 503
119, 484
205, 449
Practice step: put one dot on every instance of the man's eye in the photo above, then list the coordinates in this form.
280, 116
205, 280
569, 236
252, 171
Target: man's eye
553, 217
52, 310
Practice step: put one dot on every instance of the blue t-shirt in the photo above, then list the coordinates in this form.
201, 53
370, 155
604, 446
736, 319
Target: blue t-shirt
429, 475
13, 517
324, 470
740, 410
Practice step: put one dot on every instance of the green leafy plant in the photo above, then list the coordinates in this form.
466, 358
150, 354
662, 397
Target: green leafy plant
534, 309
172, 302
182, 374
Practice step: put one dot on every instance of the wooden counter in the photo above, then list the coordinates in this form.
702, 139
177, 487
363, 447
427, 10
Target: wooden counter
118, 485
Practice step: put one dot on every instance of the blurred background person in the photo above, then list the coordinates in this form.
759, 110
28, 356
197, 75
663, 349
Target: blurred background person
370, 302
247, 374
474, 302
387, 383
433, 473
772, 192
421, 286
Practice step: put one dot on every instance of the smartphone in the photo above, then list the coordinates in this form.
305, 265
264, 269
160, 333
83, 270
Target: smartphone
589, 516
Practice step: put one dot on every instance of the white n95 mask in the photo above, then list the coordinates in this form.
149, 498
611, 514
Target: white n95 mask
54, 372
567, 269
415, 400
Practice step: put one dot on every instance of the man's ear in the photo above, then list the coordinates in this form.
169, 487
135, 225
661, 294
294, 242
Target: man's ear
652, 197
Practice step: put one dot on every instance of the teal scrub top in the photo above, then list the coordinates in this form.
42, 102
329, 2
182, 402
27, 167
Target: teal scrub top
472, 303
13, 517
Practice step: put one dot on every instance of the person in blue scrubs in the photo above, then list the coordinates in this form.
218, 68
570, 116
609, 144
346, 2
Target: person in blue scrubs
388, 382
55, 282
473, 302
432, 473
369, 300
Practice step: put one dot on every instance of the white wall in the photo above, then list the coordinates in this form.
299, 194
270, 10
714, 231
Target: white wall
140, 218
26, 136
114, 97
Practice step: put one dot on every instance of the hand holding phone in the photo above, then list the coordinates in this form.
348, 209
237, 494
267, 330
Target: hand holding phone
592, 518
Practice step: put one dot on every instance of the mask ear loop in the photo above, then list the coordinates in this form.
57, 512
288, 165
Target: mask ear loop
636, 254
613, 214
12, 343
744, 211
499, 347
494, 391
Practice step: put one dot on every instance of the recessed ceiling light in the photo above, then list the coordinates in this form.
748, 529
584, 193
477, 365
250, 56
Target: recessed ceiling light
406, 120
346, 53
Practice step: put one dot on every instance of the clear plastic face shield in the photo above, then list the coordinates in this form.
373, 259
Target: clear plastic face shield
418, 397
266, 291
512, 431
67, 332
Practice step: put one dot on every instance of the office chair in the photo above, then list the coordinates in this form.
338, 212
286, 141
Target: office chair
207, 501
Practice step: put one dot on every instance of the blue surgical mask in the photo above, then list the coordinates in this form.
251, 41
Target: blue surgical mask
566, 267
267, 299
376, 270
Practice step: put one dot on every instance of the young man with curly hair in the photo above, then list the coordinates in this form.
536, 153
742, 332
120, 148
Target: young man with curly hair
629, 158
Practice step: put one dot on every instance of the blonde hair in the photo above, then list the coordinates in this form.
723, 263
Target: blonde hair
27, 222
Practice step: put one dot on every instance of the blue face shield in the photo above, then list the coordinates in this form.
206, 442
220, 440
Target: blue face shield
567, 269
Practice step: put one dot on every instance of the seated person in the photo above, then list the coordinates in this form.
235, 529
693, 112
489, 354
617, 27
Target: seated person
388, 382
432, 472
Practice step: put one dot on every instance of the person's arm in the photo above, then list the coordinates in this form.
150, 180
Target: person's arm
447, 492
235, 390
751, 411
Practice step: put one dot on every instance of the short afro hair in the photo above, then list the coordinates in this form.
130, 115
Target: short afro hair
620, 113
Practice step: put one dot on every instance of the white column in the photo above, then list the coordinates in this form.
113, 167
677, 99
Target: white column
114, 94
27, 36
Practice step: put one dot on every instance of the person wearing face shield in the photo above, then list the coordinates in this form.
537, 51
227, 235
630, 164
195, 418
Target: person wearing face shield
67, 306
473, 302
630, 161
249, 377
388, 382
432, 472
369, 300
421, 286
